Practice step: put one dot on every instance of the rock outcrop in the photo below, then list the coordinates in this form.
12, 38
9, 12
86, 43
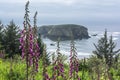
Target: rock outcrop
64, 32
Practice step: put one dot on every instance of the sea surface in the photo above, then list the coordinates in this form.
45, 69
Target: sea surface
84, 47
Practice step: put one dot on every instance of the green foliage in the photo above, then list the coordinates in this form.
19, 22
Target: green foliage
115, 73
19, 67
16, 74
105, 50
98, 67
83, 65
41, 44
1, 30
63, 58
43, 50
11, 39
1, 34
105, 58
0, 46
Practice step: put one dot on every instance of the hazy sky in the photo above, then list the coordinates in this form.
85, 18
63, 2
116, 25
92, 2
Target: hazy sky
85, 12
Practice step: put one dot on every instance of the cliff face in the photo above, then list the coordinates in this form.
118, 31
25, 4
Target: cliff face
64, 32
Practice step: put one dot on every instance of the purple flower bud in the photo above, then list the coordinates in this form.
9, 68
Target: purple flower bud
29, 43
73, 62
46, 77
55, 67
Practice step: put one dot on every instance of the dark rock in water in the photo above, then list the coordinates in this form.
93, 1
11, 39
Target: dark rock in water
64, 32
52, 44
94, 35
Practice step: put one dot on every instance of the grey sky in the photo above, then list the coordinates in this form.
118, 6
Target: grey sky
85, 12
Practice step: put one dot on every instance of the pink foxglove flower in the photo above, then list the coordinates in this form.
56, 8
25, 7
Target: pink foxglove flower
73, 72
28, 42
58, 66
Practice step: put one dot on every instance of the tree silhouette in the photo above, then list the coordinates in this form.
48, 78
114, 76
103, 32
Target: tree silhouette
11, 39
105, 49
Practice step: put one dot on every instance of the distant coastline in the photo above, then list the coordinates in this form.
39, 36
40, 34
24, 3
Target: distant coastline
84, 47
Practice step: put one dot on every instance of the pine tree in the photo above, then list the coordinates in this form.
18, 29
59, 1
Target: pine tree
41, 44
1, 39
11, 39
43, 50
105, 49
1, 34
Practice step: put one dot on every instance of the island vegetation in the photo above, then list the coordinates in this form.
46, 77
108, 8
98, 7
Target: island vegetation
64, 32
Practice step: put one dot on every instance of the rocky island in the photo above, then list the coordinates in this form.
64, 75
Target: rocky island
64, 32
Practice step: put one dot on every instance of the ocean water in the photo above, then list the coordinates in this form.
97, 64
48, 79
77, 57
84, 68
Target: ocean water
85, 46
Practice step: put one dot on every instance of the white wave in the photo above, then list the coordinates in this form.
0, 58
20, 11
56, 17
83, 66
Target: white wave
84, 47
68, 52
98, 37
102, 33
115, 33
115, 38
84, 53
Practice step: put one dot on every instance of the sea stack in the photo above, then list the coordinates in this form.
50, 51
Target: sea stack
64, 32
